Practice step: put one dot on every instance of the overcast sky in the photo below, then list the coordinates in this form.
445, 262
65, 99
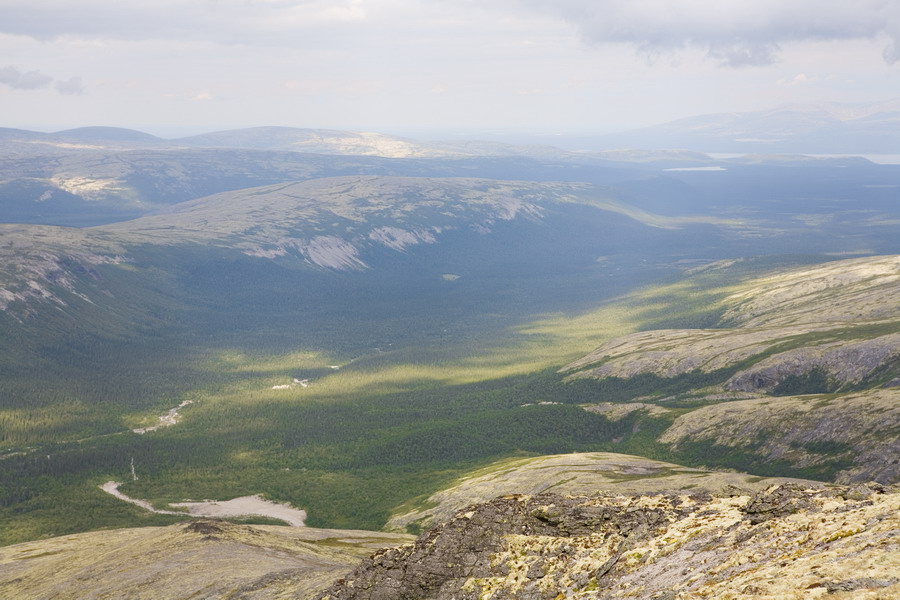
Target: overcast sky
426, 66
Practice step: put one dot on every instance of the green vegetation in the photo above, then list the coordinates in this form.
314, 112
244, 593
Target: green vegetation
430, 362
814, 381
387, 425
377, 424
745, 459
393, 408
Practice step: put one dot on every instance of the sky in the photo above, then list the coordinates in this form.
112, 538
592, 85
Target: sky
434, 67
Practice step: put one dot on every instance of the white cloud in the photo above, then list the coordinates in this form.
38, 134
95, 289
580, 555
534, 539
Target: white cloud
408, 65
223, 21
35, 80
736, 33
19, 80
70, 87
799, 79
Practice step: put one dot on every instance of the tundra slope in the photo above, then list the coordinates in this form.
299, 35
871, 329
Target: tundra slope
809, 365
576, 474
841, 317
856, 434
200, 559
325, 223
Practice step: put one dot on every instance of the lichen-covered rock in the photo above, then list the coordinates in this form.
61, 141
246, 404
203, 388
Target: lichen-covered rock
575, 474
449, 560
785, 542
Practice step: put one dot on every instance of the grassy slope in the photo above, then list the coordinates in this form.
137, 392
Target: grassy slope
208, 559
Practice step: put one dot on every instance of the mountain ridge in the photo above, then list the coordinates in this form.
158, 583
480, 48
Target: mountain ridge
815, 128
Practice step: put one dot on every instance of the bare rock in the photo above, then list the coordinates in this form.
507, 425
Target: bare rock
778, 543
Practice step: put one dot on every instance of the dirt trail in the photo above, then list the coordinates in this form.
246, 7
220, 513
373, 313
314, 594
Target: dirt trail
112, 487
244, 506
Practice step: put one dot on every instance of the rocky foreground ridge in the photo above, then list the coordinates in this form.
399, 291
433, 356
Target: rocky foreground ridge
576, 474
784, 542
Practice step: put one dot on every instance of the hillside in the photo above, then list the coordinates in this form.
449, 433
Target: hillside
856, 433
201, 559
577, 474
784, 541
359, 143
340, 223
805, 374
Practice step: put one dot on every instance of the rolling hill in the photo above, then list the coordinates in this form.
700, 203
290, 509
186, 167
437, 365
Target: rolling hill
208, 559
815, 128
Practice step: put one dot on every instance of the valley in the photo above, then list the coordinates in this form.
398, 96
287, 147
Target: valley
458, 323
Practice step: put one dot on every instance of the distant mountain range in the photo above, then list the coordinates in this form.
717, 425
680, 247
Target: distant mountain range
813, 128
819, 128
313, 141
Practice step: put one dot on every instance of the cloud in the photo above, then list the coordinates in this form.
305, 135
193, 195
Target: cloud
222, 21
35, 80
18, 80
735, 33
799, 79
70, 87
744, 55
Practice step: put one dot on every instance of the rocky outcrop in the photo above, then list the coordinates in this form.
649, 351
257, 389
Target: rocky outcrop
574, 474
671, 353
674, 352
785, 541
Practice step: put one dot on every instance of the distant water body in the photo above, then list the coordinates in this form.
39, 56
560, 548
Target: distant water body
881, 159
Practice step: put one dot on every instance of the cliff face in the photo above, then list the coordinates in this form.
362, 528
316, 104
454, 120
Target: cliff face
784, 542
